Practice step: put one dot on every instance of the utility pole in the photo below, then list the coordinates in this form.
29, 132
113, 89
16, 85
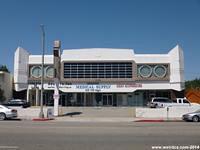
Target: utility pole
41, 115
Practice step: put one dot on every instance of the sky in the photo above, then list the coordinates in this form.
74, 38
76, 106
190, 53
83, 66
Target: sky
147, 26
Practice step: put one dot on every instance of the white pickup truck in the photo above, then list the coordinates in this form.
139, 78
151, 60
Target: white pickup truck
184, 102
159, 102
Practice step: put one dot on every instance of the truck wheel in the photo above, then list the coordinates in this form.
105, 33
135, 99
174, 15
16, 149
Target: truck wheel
156, 105
195, 119
2, 116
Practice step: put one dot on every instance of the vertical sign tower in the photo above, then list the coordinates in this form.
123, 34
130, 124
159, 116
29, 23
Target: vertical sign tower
56, 54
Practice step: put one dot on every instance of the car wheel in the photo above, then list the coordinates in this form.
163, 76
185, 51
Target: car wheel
2, 116
195, 119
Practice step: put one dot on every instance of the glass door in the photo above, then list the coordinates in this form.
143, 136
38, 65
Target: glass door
107, 99
110, 100
104, 98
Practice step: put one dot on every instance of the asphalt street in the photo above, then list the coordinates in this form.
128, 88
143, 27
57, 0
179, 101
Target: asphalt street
52, 135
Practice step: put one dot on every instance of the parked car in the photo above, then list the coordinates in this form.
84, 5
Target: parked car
18, 102
7, 113
193, 116
158, 102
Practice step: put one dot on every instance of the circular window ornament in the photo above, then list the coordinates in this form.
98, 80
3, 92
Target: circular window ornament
145, 71
160, 71
36, 72
49, 72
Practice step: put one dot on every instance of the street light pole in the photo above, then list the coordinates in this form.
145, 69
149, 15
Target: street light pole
41, 115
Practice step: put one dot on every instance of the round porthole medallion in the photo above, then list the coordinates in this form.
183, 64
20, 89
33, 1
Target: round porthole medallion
145, 71
160, 71
49, 72
36, 71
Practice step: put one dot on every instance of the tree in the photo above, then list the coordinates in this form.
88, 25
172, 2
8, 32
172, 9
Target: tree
192, 84
2, 97
4, 68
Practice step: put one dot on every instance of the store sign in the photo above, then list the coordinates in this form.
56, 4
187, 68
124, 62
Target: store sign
134, 85
61, 85
68, 87
93, 88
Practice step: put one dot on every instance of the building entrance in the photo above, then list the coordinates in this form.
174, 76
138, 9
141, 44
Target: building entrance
107, 99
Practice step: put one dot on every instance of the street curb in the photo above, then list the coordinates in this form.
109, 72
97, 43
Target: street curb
42, 119
158, 120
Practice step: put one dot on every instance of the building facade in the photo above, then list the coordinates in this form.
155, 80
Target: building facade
100, 76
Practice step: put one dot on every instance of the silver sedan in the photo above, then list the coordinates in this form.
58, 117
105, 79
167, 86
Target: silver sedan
193, 116
7, 113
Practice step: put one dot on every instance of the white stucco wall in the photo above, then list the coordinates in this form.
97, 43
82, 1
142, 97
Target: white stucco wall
176, 68
151, 58
37, 59
173, 112
97, 54
21, 69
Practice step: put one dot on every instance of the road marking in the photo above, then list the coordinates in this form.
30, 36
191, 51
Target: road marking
9, 147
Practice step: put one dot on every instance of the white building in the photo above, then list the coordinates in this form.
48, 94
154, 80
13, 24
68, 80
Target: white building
101, 76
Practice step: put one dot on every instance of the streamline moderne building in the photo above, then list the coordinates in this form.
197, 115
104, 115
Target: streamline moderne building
100, 76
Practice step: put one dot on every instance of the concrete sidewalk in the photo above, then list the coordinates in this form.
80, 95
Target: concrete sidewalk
91, 115
101, 119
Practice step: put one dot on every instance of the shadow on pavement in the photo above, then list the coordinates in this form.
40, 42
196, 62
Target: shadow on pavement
71, 114
15, 119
